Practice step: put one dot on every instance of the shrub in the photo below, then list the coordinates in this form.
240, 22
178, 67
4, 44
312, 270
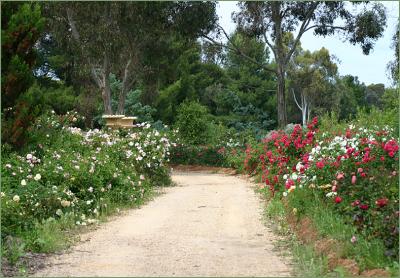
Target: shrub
77, 173
192, 123
352, 169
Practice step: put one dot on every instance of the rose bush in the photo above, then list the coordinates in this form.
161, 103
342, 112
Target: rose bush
79, 173
354, 171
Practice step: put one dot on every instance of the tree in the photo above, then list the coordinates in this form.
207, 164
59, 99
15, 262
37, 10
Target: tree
349, 94
21, 25
374, 93
269, 21
253, 86
115, 36
309, 74
394, 65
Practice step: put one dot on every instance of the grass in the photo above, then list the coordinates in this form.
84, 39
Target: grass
369, 254
306, 261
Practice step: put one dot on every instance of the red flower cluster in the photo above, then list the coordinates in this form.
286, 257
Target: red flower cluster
391, 147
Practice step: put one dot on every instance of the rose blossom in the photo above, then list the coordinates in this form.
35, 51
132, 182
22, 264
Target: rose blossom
338, 199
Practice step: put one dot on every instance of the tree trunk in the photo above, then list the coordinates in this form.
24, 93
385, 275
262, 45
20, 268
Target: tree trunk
280, 61
105, 94
282, 118
124, 90
106, 89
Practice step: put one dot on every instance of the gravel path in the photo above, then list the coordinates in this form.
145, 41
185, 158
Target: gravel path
208, 225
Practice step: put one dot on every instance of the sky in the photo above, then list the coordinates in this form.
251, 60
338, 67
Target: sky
370, 69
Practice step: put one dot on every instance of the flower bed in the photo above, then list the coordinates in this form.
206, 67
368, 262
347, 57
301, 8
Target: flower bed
354, 173
79, 173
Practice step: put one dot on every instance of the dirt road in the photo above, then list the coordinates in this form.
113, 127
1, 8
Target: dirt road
208, 225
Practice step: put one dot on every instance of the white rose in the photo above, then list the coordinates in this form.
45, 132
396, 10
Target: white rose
16, 198
37, 177
65, 203
23, 182
29, 156
59, 212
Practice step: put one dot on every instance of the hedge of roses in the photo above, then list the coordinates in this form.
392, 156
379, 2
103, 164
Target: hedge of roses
78, 172
355, 172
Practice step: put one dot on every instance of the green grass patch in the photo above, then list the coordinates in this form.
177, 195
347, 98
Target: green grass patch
368, 253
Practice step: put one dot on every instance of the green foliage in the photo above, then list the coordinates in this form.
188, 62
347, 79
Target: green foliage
22, 24
198, 155
71, 178
192, 123
133, 104
17, 121
390, 99
393, 66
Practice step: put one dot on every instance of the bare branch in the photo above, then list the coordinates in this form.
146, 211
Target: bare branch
303, 28
295, 99
237, 49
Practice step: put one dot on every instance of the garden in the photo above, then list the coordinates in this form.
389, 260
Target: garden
321, 147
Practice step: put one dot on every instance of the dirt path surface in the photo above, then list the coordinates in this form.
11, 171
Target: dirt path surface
208, 225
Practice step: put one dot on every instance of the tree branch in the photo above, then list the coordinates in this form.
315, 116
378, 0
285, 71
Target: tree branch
76, 36
295, 99
236, 49
329, 26
303, 29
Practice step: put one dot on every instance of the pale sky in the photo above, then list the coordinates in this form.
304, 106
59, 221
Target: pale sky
369, 69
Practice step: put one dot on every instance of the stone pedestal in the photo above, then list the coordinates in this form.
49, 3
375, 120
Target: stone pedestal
127, 122
119, 121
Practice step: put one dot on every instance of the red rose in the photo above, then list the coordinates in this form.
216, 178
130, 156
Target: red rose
338, 199
364, 206
391, 147
320, 164
382, 202
289, 183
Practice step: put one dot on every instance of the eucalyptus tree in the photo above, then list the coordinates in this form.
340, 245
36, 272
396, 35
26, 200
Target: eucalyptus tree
309, 74
112, 37
394, 66
270, 20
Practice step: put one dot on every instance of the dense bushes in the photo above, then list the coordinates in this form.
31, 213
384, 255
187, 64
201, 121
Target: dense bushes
77, 174
348, 170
